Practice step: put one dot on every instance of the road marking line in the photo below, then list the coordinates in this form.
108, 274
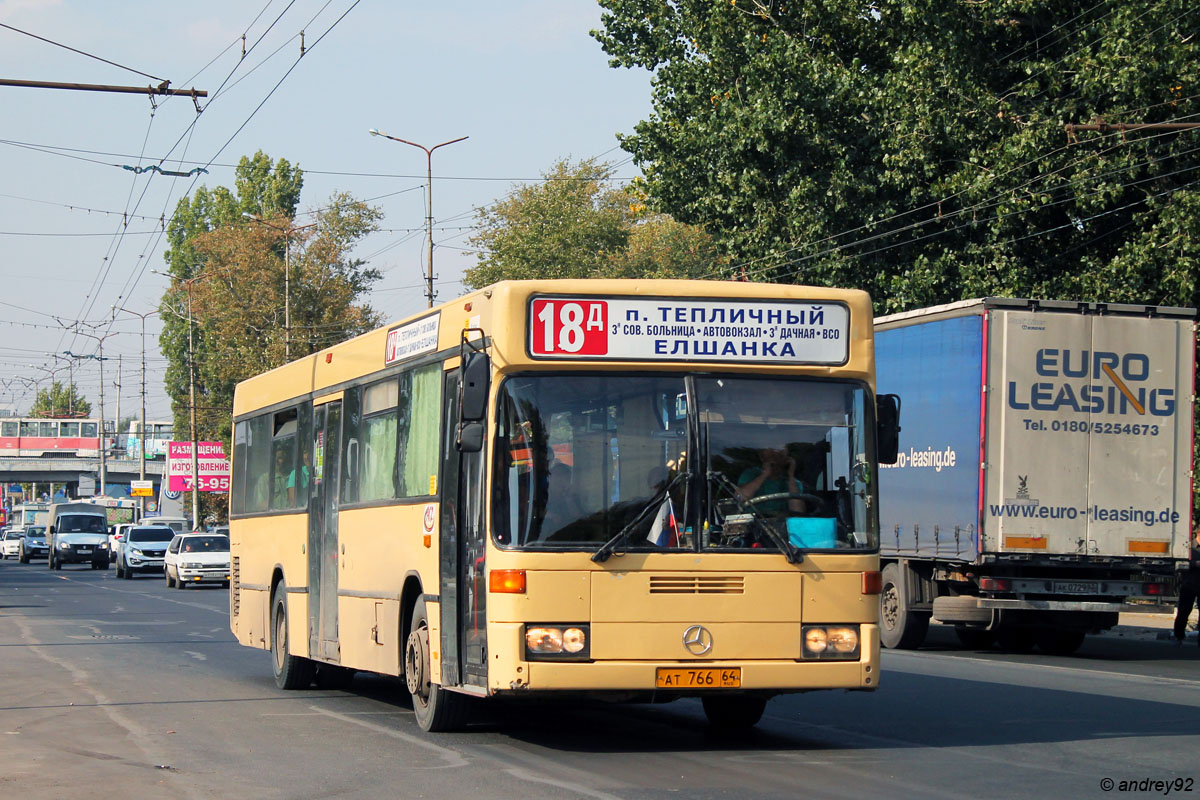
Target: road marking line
453, 758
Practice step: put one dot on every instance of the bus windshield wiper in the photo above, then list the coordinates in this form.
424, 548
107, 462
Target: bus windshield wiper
790, 551
608, 549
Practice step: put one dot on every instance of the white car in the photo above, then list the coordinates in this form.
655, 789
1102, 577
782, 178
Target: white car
142, 549
10, 547
197, 558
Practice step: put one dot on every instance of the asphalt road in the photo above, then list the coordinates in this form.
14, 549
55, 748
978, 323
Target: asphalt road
131, 690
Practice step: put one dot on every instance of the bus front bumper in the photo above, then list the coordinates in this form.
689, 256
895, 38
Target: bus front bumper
779, 676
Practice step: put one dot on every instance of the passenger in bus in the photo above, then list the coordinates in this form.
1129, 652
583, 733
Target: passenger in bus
776, 474
280, 494
303, 484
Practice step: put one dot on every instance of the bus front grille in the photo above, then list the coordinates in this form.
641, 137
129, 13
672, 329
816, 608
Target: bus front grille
696, 584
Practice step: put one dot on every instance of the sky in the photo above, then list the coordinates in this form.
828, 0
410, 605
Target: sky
80, 235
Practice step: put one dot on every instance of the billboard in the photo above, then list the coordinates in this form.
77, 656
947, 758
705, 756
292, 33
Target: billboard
211, 461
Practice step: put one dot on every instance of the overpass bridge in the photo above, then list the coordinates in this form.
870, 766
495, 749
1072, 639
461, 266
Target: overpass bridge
69, 471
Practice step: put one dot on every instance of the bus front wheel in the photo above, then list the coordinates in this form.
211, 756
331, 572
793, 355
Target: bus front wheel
437, 709
291, 672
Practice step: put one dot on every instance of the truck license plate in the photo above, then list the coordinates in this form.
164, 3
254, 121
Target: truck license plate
705, 678
1076, 587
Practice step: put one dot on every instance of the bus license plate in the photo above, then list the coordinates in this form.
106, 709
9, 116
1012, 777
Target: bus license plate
705, 678
1076, 587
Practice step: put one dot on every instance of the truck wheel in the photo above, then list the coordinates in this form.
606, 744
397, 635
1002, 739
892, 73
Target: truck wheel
1014, 640
1059, 641
733, 712
291, 672
437, 710
899, 626
57, 564
974, 638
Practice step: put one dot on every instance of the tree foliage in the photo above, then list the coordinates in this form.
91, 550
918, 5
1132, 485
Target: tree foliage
229, 273
60, 401
916, 148
577, 224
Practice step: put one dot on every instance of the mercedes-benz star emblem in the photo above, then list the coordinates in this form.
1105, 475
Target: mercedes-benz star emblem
697, 640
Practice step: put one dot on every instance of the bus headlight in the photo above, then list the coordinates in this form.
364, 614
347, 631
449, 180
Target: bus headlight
556, 642
830, 641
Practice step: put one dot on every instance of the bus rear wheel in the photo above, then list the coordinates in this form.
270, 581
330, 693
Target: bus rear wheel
437, 710
733, 712
291, 672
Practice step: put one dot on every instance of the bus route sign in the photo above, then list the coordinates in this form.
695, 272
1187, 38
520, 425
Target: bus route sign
661, 329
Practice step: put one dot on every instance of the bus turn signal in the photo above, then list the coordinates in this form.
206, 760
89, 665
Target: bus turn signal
507, 581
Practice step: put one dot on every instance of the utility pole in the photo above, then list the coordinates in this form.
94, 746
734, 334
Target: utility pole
142, 435
429, 198
117, 416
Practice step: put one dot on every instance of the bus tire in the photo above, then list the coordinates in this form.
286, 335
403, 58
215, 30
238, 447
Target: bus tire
291, 672
437, 709
1059, 641
733, 712
900, 627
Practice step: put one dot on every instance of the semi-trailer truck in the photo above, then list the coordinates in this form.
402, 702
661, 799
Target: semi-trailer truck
1044, 477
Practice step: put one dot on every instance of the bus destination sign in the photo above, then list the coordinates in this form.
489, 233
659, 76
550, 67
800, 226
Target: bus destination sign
651, 329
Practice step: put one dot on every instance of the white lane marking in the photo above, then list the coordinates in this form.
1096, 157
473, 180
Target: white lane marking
195, 655
453, 758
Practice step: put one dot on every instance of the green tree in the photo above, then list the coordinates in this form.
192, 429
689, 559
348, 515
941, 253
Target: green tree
234, 269
578, 224
60, 401
916, 148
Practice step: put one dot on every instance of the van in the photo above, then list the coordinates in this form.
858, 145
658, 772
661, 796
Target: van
78, 534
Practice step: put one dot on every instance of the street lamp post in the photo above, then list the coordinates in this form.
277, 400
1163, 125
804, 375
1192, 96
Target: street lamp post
287, 275
429, 197
143, 437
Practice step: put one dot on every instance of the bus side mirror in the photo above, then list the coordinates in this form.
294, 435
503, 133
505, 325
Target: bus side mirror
887, 427
470, 437
50, 529
473, 387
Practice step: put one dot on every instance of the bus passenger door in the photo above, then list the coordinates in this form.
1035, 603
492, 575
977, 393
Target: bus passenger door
323, 532
463, 547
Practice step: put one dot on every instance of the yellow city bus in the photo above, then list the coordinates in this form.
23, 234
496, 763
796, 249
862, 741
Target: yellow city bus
636, 490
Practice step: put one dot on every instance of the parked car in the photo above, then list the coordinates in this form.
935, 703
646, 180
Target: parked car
142, 549
197, 558
10, 545
33, 544
118, 532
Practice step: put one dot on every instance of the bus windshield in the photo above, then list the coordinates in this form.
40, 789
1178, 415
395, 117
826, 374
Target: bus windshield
683, 462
